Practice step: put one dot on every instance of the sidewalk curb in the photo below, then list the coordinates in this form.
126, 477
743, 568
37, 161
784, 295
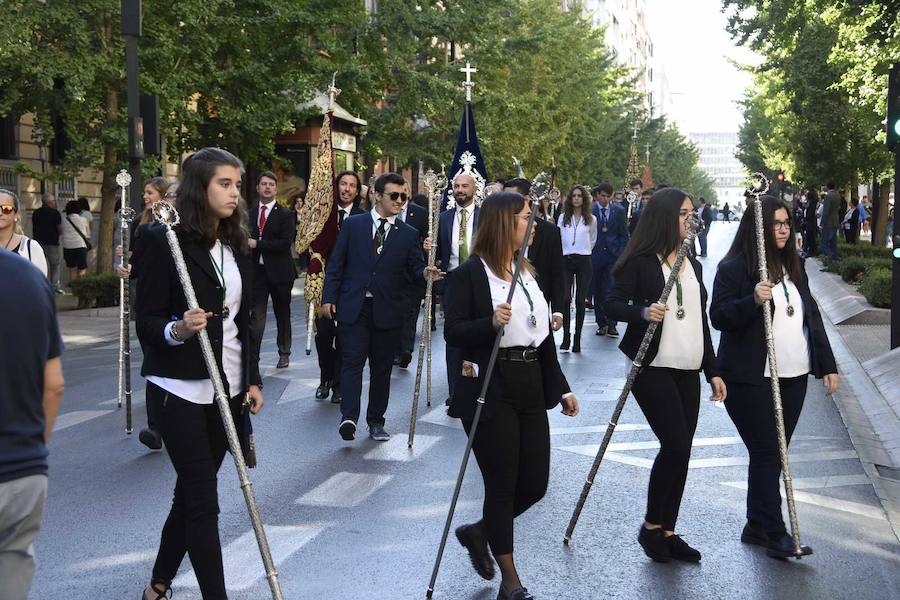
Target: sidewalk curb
870, 420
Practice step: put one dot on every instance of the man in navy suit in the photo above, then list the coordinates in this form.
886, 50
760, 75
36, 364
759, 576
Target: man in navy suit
612, 235
374, 259
456, 236
417, 217
328, 347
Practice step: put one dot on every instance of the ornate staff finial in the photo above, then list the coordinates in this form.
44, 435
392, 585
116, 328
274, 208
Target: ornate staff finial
468, 83
333, 91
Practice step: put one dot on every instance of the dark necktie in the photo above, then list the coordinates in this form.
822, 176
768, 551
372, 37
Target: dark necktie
341, 215
378, 242
603, 210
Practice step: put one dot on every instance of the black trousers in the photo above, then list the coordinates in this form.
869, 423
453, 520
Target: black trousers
196, 444
670, 400
753, 413
513, 452
361, 341
154, 397
328, 349
578, 272
413, 302
281, 306
809, 239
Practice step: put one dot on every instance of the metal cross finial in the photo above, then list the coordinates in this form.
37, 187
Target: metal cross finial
333, 91
634, 135
648, 152
468, 83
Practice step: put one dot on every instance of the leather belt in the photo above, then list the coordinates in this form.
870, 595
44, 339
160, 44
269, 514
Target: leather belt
518, 354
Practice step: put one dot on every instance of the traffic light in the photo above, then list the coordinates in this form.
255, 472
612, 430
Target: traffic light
893, 109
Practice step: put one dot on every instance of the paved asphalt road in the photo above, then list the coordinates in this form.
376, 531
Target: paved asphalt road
363, 520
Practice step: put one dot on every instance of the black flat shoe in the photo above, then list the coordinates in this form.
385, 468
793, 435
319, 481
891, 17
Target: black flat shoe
405, 359
323, 390
565, 343
474, 541
150, 438
601, 330
166, 594
680, 550
517, 594
753, 534
347, 430
783, 547
283, 362
576, 345
654, 544
335, 396
611, 331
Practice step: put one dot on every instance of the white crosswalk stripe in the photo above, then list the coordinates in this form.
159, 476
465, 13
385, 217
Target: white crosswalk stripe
344, 489
77, 417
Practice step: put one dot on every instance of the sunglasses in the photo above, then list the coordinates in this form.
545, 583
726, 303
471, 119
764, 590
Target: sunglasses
394, 195
7, 209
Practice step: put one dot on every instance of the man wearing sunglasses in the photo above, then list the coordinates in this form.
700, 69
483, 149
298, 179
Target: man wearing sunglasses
374, 259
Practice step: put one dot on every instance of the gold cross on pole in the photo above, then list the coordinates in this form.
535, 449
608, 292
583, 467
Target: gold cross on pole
333, 91
468, 83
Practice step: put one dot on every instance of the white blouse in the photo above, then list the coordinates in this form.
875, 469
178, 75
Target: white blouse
518, 332
577, 237
201, 391
791, 336
681, 340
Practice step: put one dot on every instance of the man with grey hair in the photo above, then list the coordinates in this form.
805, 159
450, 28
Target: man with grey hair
46, 223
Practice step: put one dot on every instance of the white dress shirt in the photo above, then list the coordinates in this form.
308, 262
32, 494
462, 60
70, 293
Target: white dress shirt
791, 336
681, 340
454, 233
577, 237
269, 206
201, 391
518, 332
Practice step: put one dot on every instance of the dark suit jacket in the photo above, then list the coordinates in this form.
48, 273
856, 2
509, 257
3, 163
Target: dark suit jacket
417, 217
742, 345
635, 217
546, 255
706, 217
638, 285
831, 216
445, 230
354, 268
611, 243
468, 315
275, 243
161, 300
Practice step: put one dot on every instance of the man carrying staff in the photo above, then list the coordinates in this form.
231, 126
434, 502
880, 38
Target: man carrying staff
328, 347
374, 258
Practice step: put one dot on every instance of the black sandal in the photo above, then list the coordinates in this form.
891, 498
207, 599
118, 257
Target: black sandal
166, 594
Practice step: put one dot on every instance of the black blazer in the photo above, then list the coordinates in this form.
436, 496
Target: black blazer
468, 325
638, 285
417, 217
161, 300
275, 243
546, 255
742, 345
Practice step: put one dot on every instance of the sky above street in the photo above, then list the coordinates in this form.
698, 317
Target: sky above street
694, 48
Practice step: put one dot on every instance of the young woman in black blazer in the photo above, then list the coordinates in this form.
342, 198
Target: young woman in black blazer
801, 348
213, 238
512, 442
668, 388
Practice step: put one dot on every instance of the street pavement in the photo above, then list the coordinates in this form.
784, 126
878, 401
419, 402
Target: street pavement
363, 520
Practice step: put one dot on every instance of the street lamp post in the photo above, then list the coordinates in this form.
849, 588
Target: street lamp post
131, 28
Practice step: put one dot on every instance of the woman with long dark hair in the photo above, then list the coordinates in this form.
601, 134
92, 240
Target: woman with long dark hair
512, 442
668, 387
801, 349
213, 237
578, 230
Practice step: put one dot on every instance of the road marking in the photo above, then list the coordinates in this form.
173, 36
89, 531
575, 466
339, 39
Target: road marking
299, 389
115, 560
241, 560
425, 511
705, 463
397, 449
856, 508
344, 489
598, 428
77, 417
439, 416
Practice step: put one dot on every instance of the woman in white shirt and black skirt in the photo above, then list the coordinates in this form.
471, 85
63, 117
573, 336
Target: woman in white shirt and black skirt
801, 349
668, 387
512, 442
578, 230
213, 237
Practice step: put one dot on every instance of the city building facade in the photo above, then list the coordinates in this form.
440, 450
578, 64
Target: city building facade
718, 160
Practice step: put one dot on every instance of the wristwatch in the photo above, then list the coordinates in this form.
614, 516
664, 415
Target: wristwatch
173, 331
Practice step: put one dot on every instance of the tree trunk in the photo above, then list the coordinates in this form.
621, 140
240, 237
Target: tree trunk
108, 189
884, 191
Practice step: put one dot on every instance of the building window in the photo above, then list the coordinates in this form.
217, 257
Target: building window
8, 138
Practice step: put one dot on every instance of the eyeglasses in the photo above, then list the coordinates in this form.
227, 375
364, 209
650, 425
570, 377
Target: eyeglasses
394, 195
781, 225
7, 209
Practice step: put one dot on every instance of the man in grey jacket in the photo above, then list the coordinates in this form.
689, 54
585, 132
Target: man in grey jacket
830, 221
